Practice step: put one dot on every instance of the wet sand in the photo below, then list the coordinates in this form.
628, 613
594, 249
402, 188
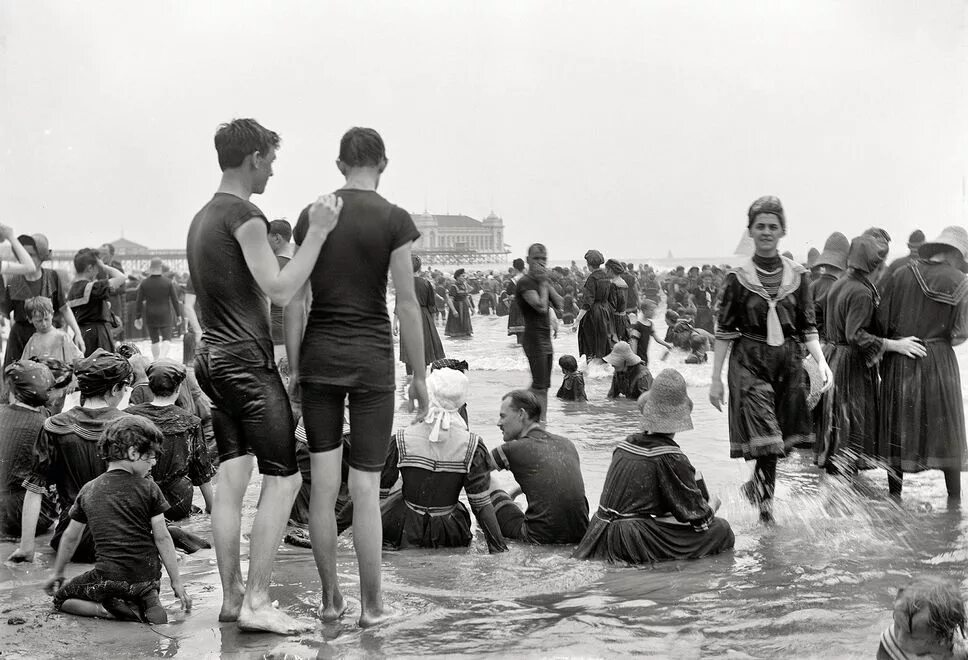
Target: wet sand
819, 584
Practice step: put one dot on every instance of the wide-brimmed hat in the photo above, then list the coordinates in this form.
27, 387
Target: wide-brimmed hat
666, 407
952, 237
835, 252
622, 356
916, 239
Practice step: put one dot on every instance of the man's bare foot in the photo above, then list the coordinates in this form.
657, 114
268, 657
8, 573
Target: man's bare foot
269, 619
231, 605
333, 612
370, 619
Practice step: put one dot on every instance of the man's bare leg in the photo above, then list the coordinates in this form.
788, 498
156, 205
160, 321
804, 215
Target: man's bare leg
368, 542
275, 503
233, 479
326, 469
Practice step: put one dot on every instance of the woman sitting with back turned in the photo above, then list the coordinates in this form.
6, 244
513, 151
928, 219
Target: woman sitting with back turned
654, 505
438, 457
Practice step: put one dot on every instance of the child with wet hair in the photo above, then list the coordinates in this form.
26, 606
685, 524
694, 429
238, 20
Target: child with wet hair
929, 622
125, 511
573, 381
47, 341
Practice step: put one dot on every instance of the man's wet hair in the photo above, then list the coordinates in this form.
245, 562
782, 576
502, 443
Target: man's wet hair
281, 228
518, 264
241, 137
362, 147
129, 431
84, 259
524, 400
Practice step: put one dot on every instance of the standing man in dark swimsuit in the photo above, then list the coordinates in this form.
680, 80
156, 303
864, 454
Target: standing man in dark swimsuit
536, 298
233, 269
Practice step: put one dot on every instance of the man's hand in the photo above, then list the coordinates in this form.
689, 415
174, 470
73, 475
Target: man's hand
79, 342
138, 324
53, 584
179, 589
19, 555
324, 213
295, 397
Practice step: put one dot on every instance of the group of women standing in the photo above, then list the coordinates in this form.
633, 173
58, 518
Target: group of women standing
603, 319
891, 394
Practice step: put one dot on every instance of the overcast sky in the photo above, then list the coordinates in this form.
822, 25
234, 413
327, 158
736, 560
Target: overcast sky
632, 127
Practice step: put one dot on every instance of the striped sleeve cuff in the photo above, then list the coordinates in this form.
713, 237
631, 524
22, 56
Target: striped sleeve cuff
33, 488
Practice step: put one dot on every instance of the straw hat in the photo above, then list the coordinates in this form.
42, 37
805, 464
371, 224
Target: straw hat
952, 237
622, 356
834, 252
666, 407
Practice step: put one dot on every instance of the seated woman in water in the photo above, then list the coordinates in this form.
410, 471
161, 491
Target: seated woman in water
654, 504
631, 378
438, 457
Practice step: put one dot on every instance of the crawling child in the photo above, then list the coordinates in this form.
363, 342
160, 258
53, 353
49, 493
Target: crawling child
126, 513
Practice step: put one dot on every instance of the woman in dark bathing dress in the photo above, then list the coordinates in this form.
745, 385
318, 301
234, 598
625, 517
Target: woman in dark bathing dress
765, 311
922, 411
458, 300
594, 320
427, 299
847, 416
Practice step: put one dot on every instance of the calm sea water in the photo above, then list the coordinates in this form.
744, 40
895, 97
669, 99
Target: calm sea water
818, 584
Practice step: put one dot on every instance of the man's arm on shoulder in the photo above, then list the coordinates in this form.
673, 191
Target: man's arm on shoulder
282, 285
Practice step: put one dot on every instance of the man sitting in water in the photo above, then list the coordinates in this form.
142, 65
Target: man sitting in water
547, 469
928, 614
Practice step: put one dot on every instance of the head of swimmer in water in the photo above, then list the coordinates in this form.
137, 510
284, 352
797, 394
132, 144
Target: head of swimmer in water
520, 410
246, 151
362, 155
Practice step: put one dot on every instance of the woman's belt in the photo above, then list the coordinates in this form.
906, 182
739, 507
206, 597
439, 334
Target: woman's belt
432, 511
611, 515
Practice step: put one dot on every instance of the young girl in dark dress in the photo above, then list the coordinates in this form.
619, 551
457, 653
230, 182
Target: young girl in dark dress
655, 505
595, 317
765, 313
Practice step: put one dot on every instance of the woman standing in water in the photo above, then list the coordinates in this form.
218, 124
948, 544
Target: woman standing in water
458, 301
922, 411
594, 320
432, 348
618, 294
847, 416
765, 309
